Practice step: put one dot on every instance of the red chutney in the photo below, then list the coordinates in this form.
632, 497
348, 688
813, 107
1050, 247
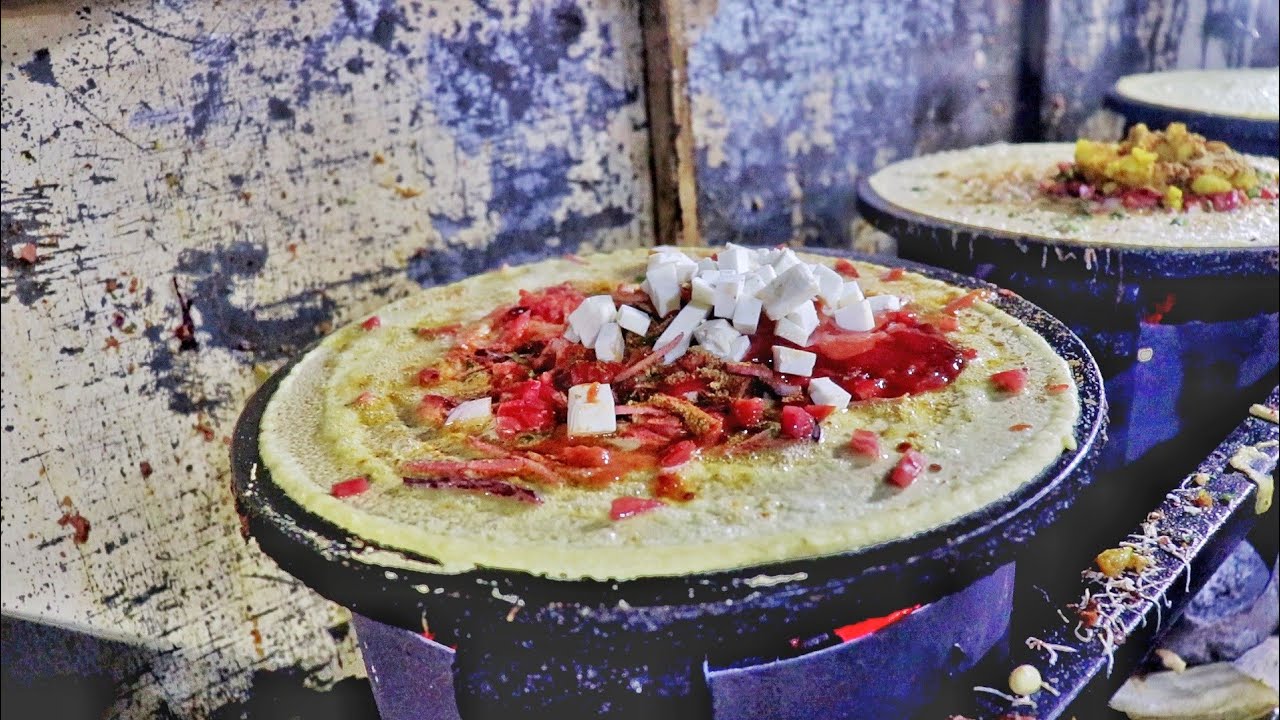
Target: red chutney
902, 356
667, 414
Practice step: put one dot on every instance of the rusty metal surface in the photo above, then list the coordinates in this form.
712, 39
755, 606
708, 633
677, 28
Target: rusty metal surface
793, 101
209, 187
1089, 44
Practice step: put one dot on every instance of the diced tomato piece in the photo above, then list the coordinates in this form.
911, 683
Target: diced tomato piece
968, 353
678, 454
371, 323
625, 507
820, 412
1140, 199
945, 323
1224, 201
747, 412
846, 268
865, 443
685, 385
365, 399
868, 388
894, 274
596, 371
508, 373
587, 456
1010, 381
842, 344
796, 423
552, 304
1267, 193
347, 488
907, 469
964, 302
428, 377
433, 409
516, 416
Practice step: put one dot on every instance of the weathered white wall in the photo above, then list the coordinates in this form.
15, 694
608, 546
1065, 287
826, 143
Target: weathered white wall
278, 168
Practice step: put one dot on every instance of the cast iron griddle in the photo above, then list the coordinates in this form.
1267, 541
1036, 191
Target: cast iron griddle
656, 630
928, 236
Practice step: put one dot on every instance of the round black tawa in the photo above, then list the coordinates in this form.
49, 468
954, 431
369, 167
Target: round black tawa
931, 239
635, 648
1250, 135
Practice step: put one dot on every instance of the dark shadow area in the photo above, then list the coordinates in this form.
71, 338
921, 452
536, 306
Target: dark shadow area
53, 672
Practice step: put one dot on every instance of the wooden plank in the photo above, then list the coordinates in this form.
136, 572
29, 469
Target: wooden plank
671, 132
1090, 44
208, 188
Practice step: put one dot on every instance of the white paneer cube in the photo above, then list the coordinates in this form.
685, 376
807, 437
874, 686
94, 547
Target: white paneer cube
707, 266
851, 293
785, 260
764, 256
825, 391
885, 303
704, 289
609, 345
471, 410
718, 338
746, 314
633, 320
856, 316
790, 361
572, 335
741, 347
590, 316
685, 270
591, 409
684, 323
788, 291
805, 317
684, 265
663, 287
736, 258
830, 285
788, 330
766, 273
727, 292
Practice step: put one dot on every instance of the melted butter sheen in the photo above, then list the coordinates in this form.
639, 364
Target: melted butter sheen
811, 499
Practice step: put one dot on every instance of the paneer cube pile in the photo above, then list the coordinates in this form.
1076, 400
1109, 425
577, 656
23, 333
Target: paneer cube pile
728, 295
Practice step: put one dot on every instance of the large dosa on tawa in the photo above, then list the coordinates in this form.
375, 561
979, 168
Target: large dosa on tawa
811, 499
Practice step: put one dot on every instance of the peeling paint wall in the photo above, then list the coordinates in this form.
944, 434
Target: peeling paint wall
211, 186
793, 100
1092, 43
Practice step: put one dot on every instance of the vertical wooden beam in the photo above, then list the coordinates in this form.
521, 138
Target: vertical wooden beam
675, 191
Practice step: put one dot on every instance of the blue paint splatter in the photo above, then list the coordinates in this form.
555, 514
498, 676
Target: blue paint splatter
215, 55
40, 68
503, 85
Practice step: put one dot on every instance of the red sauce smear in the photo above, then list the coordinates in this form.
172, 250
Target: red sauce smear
668, 414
